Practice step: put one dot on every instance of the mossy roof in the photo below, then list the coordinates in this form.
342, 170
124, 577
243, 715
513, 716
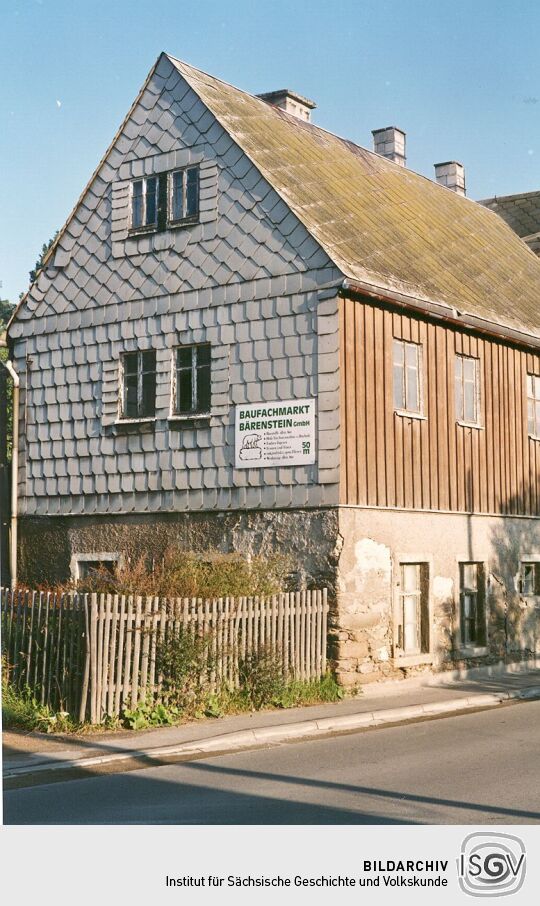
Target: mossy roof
380, 223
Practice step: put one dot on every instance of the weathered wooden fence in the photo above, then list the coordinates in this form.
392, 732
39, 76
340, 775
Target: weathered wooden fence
93, 655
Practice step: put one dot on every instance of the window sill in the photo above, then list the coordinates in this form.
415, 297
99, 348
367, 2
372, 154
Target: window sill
192, 417
403, 413
412, 660
154, 230
469, 425
142, 231
471, 651
147, 420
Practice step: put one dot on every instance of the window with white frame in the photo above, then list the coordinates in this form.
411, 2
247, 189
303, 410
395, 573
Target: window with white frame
192, 380
467, 390
407, 364
138, 384
472, 604
165, 200
144, 203
183, 194
530, 578
533, 405
413, 617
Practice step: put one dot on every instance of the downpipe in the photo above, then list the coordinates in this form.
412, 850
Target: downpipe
14, 474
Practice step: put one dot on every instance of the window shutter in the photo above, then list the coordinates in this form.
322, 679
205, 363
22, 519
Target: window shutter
110, 392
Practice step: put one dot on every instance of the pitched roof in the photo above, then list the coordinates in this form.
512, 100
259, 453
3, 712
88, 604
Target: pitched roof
380, 223
521, 212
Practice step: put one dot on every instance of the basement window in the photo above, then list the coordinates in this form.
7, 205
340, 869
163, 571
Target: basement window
413, 631
472, 604
533, 405
138, 384
407, 365
530, 578
192, 380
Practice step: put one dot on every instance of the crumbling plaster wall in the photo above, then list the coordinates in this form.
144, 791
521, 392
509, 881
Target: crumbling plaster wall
375, 542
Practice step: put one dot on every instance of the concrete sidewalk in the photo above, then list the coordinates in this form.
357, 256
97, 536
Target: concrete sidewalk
419, 698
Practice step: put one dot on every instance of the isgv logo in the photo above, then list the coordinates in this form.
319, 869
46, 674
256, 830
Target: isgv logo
491, 865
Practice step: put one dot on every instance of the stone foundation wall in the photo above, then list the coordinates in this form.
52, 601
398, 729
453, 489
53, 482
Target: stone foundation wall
48, 544
356, 553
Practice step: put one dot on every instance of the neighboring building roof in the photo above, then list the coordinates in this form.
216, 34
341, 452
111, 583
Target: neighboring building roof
381, 223
521, 212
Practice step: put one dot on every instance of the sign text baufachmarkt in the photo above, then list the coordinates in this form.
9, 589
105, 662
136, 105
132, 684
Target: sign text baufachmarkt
275, 434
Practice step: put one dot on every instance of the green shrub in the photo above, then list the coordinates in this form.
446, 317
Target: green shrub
261, 677
184, 662
188, 574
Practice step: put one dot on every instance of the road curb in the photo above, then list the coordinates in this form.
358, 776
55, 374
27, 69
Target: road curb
245, 739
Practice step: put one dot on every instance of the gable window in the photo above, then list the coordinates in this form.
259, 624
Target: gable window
472, 597
163, 201
407, 362
467, 387
183, 194
533, 405
192, 380
530, 578
139, 384
144, 203
413, 618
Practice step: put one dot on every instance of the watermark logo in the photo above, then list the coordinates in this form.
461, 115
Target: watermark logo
491, 865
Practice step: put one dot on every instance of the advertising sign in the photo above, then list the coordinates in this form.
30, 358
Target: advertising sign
275, 434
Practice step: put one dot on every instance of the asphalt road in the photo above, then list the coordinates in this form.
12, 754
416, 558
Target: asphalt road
481, 768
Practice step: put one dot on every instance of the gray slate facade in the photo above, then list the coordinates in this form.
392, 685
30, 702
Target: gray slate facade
246, 279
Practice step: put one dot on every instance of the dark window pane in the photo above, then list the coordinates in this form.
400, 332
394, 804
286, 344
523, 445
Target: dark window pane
130, 396
203, 354
184, 388
149, 360
177, 196
184, 356
148, 394
151, 200
130, 363
137, 204
203, 388
192, 192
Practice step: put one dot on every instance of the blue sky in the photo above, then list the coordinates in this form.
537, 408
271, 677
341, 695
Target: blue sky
462, 79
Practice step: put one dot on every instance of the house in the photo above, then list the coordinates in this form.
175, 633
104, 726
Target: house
521, 213
252, 334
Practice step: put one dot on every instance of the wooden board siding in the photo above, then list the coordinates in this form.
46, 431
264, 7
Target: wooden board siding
433, 463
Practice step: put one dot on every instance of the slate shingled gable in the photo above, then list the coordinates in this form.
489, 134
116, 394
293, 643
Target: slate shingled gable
245, 279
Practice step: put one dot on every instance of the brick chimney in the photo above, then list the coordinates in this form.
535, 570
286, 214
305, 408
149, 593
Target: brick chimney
390, 143
291, 102
452, 175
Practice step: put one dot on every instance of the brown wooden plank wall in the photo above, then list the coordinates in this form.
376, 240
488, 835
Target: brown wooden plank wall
388, 460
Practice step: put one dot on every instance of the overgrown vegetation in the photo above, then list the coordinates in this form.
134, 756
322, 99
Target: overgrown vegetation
189, 574
21, 711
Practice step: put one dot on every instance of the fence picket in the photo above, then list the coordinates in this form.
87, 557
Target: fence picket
98, 653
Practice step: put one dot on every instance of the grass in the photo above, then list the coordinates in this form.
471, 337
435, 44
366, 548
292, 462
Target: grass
21, 712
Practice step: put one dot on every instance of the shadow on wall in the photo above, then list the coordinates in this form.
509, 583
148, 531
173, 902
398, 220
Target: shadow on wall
514, 610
